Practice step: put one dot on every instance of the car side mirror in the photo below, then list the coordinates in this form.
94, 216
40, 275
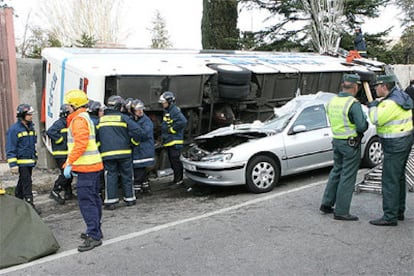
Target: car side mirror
298, 128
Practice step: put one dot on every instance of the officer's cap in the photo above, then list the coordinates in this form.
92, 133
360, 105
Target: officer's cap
384, 79
352, 78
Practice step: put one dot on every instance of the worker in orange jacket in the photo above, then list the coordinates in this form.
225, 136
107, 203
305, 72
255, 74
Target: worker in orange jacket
84, 160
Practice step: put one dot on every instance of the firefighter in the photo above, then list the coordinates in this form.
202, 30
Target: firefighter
172, 133
96, 110
85, 161
21, 139
58, 134
143, 154
348, 123
116, 130
393, 118
359, 42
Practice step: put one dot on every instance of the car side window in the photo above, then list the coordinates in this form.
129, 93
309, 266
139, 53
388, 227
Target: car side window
312, 117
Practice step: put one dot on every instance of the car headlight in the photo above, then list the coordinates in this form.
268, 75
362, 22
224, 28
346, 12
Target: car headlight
218, 157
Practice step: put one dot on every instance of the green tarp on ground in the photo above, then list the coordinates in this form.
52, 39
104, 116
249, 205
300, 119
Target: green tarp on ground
23, 235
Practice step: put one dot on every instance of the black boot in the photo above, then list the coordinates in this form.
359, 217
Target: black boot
146, 188
55, 195
30, 201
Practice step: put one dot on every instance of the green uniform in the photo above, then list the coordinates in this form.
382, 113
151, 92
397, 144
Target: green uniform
393, 119
347, 120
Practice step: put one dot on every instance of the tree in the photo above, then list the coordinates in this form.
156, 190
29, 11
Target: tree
159, 33
69, 20
326, 23
295, 22
219, 25
403, 51
407, 7
36, 41
86, 41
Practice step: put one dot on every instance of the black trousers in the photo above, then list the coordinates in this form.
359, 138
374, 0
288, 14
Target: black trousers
140, 176
176, 165
61, 182
24, 184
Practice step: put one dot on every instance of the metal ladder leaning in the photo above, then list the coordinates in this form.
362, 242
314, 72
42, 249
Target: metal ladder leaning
372, 179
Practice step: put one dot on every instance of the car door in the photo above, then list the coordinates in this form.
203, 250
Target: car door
311, 146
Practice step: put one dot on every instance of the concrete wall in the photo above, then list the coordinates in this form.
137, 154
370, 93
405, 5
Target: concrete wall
29, 85
405, 73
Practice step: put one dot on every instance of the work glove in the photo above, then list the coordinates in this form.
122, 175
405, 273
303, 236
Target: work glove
14, 170
67, 172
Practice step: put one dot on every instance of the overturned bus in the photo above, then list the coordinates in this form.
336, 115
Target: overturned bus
213, 88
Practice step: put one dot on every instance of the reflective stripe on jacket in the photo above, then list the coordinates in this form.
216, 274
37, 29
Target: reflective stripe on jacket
58, 133
173, 126
21, 145
115, 133
143, 153
391, 119
338, 110
83, 152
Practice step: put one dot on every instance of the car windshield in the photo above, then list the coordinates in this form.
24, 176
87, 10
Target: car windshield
280, 122
283, 115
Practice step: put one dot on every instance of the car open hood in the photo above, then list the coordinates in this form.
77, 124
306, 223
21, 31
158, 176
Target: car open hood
255, 128
225, 138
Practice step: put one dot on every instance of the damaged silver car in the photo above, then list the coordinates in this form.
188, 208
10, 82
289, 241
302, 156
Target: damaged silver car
296, 140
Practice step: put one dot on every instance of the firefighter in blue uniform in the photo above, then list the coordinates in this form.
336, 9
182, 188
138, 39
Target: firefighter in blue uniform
58, 133
116, 130
21, 139
96, 110
143, 154
393, 118
348, 123
172, 133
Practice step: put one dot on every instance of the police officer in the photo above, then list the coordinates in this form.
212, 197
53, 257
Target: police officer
116, 130
21, 139
58, 133
393, 119
143, 154
172, 133
348, 123
85, 161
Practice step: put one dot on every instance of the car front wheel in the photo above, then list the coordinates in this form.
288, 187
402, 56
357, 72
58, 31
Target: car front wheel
373, 153
262, 174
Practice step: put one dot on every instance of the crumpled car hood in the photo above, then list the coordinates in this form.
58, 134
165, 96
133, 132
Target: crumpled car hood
225, 138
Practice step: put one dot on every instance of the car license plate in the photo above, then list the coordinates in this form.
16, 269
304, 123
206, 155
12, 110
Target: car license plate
189, 167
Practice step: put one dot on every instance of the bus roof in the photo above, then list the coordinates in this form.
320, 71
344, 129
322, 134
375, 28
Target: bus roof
193, 62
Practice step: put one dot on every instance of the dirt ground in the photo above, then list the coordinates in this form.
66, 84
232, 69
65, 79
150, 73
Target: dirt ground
43, 179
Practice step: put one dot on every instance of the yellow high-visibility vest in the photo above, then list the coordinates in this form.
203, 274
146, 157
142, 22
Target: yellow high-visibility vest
91, 154
391, 119
338, 109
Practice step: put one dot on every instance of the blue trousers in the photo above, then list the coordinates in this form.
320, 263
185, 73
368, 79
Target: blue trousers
116, 169
90, 204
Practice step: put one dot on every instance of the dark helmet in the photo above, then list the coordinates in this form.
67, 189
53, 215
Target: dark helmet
137, 105
128, 103
64, 110
168, 97
94, 107
116, 102
23, 110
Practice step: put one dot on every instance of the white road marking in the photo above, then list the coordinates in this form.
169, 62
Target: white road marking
160, 227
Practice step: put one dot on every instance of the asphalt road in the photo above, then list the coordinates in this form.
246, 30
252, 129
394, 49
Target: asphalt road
227, 231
